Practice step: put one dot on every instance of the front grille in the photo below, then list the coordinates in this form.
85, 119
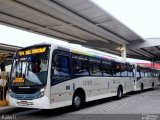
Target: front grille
24, 90
25, 96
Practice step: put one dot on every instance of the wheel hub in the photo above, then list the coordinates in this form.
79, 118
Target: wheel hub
77, 101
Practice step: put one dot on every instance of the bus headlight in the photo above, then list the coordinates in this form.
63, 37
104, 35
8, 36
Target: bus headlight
41, 92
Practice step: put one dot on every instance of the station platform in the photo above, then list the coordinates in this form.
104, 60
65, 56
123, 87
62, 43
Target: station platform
4, 109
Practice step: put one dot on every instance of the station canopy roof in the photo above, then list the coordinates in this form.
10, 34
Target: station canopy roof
76, 21
8, 51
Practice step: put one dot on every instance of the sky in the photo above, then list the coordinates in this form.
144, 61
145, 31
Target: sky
142, 16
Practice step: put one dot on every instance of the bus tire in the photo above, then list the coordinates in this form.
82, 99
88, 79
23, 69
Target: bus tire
142, 87
119, 92
78, 99
152, 85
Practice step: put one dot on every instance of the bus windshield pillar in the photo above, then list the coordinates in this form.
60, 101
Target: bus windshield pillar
123, 52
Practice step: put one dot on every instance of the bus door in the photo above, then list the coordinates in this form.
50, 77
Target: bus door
60, 73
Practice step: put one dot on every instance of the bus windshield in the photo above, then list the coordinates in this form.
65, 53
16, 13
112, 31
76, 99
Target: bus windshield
29, 70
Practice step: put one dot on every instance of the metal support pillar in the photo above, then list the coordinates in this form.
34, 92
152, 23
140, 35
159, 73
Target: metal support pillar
3, 102
123, 53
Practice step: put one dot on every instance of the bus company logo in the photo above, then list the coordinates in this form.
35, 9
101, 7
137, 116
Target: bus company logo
87, 82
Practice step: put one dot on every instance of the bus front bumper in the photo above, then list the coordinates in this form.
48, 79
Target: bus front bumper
40, 103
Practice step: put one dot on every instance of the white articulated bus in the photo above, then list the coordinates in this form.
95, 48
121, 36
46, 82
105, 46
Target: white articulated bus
145, 78
48, 76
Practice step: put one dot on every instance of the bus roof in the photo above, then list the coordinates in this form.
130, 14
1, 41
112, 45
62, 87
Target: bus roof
75, 48
78, 49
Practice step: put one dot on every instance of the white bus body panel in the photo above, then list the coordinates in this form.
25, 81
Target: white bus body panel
94, 87
147, 83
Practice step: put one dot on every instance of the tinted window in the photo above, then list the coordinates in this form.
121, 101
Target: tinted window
155, 73
130, 69
123, 70
80, 65
107, 68
146, 72
116, 69
138, 72
142, 71
95, 66
62, 65
149, 73
60, 69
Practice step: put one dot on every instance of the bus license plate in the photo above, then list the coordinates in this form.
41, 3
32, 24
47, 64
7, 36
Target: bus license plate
24, 103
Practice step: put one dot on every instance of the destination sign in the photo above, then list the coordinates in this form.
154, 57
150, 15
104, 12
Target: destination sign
18, 80
32, 51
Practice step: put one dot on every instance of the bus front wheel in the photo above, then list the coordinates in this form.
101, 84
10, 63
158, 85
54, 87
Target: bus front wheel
77, 102
78, 99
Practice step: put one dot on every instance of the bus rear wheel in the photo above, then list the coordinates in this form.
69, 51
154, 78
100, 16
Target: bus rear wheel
153, 85
142, 88
119, 92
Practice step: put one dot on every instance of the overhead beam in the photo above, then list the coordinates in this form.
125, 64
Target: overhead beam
33, 31
38, 27
140, 53
157, 48
138, 57
9, 46
110, 51
148, 52
51, 18
144, 52
8, 51
70, 13
133, 52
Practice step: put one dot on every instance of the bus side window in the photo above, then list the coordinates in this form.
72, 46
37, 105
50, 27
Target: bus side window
123, 70
130, 70
60, 69
149, 73
62, 65
142, 71
95, 67
107, 68
116, 69
80, 65
157, 75
138, 72
146, 72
